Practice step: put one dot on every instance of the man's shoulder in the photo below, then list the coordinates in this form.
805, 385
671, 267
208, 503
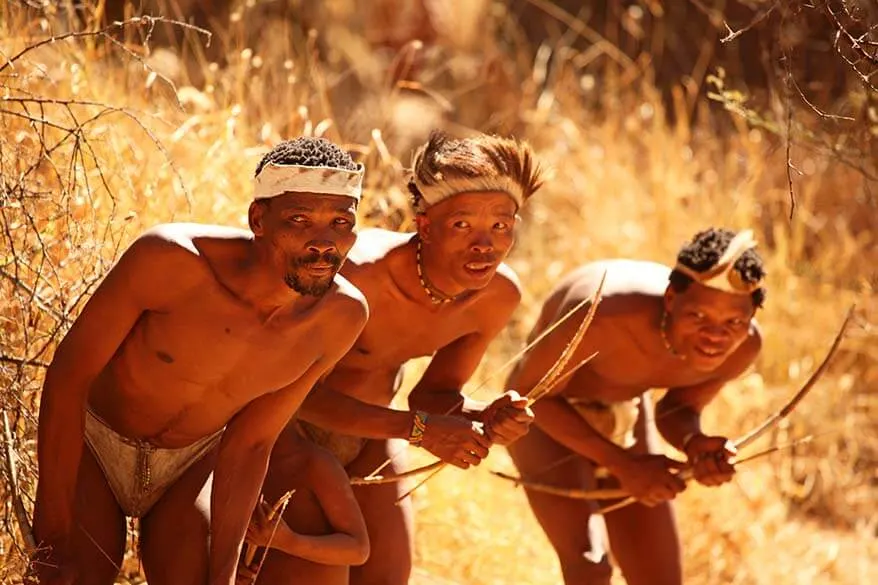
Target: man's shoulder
375, 244
623, 276
505, 286
346, 297
182, 238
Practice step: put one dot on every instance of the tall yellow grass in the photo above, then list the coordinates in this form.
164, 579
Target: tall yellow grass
626, 184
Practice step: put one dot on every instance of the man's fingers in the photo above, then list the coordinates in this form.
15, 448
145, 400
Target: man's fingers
678, 484
674, 464
483, 440
472, 456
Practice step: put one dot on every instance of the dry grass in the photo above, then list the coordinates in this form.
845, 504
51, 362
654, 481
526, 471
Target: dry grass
626, 184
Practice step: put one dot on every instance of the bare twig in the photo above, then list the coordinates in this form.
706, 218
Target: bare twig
734, 34
584, 31
814, 108
576, 494
23, 361
383, 479
789, 134
148, 21
12, 479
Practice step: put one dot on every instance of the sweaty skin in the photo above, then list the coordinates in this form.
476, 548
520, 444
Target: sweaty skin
404, 324
562, 450
189, 334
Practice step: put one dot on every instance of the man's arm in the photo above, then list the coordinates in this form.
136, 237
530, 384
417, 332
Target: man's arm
554, 415
139, 281
440, 388
678, 419
247, 442
647, 477
678, 413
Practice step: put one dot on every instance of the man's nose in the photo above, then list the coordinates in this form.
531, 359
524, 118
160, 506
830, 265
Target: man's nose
715, 333
321, 246
482, 244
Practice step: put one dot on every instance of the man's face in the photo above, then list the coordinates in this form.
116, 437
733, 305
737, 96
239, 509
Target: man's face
707, 325
470, 234
308, 236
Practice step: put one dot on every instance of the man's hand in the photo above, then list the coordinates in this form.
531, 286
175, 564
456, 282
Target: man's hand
508, 418
650, 478
711, 459
455, 440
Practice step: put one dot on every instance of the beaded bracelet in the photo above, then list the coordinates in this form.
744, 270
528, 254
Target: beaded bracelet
419, 425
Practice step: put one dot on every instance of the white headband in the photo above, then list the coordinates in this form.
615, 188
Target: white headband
444, 188
274, 180
723, 276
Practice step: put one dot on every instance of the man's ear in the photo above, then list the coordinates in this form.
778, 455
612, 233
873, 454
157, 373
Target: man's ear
256, 217
423, 223
669, 297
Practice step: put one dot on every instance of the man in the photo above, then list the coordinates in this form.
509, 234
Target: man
164, 400
441, 292
689, 330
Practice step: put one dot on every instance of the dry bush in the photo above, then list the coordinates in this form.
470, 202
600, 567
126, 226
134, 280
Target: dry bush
96, 146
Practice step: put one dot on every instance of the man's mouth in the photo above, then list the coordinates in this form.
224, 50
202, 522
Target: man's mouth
710, 352
321, 268
478, 268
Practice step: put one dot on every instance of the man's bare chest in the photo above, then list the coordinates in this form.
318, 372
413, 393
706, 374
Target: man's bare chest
215, 345
619, 374
396, 332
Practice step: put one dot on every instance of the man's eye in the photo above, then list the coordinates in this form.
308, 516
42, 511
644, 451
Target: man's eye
697, 315
501, 226
342, 221
298, 219
461, 224
736, 322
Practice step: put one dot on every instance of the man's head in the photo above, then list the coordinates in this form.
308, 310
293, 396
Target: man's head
714, 291
304, 210
466, 194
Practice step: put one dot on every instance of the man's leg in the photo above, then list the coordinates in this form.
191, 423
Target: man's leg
99, 533
644, 540
175, 533
391, 527
575, 534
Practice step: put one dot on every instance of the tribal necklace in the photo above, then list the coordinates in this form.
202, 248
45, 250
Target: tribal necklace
437, 296
664, 332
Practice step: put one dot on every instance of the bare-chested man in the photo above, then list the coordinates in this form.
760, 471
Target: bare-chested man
441, 292
164, 400
689, 330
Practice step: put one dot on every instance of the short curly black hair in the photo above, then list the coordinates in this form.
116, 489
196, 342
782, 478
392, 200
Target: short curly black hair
705, 250
309, 152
